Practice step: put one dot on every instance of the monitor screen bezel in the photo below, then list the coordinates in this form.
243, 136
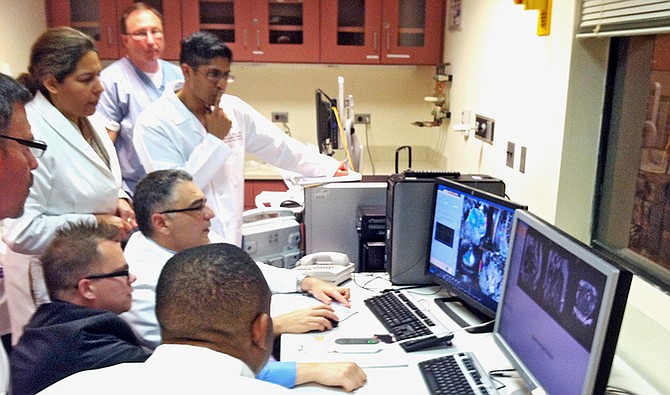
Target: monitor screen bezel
470, 302
610, 316
327, 134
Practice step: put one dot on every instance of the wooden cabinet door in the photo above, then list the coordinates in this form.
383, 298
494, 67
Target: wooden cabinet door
97, 18
285, 31
228, 19
412, 31
351, 31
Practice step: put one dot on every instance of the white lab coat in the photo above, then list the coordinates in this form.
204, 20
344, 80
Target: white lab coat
168, 135
71, 183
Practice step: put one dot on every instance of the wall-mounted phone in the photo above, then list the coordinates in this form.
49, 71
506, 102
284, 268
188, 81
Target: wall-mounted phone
333, 267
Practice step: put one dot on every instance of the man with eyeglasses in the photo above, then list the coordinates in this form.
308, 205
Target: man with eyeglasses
17, 148
173, 215
89, 284
196, 127
17, 161
134, 81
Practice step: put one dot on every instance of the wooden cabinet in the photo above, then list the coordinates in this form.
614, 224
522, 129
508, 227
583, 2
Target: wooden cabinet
97, 18
100, 19
382, 31
290, 31
259, 30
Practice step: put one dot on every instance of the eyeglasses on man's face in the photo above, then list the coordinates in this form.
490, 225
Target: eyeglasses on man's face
36, 147
119, 273
199, 207
214, 76
157, 34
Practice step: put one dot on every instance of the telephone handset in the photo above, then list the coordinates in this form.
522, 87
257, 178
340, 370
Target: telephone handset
333, 267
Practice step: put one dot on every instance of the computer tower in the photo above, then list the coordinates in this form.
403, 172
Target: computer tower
371, 228
408, 213
331, 212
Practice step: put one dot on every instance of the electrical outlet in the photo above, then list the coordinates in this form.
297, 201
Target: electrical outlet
484, 128
522, 160
280, 117
509, 161
362, 118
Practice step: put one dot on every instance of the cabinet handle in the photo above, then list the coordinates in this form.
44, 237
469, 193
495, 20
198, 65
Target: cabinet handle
110, 38
375, 40
244, 38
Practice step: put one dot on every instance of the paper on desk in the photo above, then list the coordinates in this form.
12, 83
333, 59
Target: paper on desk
321, 347
352, 176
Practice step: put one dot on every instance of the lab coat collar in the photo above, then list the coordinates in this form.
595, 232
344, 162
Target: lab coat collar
61, 125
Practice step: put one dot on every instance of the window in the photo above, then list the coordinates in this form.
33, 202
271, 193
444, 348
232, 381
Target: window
632, 217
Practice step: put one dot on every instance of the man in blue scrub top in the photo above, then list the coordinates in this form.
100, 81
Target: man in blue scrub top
133, 82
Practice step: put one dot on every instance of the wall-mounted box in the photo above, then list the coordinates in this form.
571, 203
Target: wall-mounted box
484, 128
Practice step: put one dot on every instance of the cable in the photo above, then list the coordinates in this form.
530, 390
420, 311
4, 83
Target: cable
367, 148
344, 138
374, 277
618, 390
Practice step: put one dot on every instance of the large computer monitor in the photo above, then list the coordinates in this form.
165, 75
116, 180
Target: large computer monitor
327, 131
560, 311
468, 248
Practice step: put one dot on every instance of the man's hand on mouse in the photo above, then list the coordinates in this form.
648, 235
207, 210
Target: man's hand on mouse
326, 292
317, 318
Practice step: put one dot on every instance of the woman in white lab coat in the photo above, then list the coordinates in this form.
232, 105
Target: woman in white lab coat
78, 179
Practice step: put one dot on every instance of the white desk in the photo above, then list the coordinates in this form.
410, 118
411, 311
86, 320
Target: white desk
383, 378
405, 377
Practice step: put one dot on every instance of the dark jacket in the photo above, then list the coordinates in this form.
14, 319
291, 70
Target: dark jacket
63, 338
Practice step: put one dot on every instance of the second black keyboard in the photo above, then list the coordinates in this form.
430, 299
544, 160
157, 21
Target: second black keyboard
458, 373
401, 315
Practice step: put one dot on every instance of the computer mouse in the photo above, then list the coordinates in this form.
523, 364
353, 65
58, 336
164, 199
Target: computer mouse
289, 204
334, 323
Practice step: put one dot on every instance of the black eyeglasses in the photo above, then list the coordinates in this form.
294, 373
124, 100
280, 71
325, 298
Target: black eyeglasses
142, 35
214, 76
119, 273
37, 147
200, 207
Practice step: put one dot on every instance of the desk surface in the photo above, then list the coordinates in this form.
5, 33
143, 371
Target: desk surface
391, 370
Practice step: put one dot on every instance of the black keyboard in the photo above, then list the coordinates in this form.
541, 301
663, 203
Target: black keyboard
431, 173
401, 316
458, 373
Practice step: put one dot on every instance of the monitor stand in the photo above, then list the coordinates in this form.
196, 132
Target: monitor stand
444, 304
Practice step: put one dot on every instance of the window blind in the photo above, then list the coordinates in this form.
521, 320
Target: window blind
624, 17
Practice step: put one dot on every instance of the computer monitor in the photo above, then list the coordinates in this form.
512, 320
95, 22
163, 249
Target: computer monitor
560, 311
468, 248
327, 131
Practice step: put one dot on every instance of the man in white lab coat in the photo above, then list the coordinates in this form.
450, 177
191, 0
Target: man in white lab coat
173, 215
198, 128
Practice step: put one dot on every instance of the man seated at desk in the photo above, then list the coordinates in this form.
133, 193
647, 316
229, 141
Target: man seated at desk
213, 305
173, 215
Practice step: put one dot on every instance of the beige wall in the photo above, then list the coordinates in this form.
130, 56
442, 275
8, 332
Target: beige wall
546, 93
22, 22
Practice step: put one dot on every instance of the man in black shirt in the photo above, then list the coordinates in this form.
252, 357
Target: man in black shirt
89, 284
